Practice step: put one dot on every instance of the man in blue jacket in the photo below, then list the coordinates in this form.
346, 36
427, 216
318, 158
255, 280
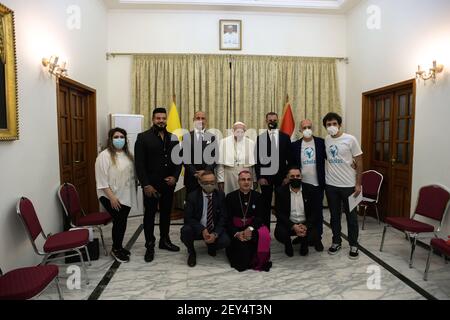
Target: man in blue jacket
309, 154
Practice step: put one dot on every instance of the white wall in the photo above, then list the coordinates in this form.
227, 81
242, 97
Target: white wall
30, 166
198, 32
412, 32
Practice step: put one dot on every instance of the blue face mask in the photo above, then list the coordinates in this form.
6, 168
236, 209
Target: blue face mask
119, 143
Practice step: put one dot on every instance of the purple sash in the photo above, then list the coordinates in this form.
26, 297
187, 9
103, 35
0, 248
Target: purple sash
262, 256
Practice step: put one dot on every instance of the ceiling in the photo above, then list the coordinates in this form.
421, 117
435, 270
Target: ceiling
307, 6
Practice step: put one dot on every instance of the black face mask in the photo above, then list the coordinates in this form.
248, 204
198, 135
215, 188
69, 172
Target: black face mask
295, 183
273, 125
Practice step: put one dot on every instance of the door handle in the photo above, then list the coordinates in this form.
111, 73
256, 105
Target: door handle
77, 161
393, 160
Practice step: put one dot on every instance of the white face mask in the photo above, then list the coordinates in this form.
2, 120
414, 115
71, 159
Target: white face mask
307, 133
198, 124
332, 131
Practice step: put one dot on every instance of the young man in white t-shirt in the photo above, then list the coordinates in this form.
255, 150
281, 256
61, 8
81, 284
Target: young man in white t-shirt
342, 181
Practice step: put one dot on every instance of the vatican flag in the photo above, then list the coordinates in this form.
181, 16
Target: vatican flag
173, 121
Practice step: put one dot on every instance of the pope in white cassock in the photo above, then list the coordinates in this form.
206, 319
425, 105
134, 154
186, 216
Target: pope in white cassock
236, 154
230, 37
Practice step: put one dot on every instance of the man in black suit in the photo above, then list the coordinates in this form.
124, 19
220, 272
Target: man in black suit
199, 152
294, 214
205, 216
273, 155
309, 155
158, 175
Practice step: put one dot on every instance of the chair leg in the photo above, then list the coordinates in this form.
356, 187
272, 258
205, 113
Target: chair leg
88, 256
382, 238
58, 287
425, 275
44, 261
378, 215
364, 218
103, 240
83, 265
413, 248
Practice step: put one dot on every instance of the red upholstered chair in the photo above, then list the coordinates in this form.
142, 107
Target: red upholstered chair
25, 283
70, 201
433, 203
371, 186
440, 246
62, 242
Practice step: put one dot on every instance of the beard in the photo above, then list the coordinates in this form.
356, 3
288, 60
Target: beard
160, 126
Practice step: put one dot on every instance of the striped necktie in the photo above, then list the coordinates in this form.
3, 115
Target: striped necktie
209, 217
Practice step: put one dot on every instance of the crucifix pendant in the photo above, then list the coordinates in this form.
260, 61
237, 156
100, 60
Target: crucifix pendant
244, 220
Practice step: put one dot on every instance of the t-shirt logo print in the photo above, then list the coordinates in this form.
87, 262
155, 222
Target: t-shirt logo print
334, 151
309, 153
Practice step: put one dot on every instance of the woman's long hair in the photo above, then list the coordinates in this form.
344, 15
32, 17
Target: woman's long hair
112, 149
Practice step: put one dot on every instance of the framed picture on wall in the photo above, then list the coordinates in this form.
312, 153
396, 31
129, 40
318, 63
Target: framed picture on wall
230, 32
9, 126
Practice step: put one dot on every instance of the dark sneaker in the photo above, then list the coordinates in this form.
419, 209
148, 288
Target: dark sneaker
168, 245
120, 256
289, 250
335, 247
126, 252
353, 253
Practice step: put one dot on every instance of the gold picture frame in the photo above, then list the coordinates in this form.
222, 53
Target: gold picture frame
9, 107
230, 34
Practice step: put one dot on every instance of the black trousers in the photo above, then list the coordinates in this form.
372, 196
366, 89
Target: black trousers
119, 222
315, 196
267, 192
283, 234
338, 198
189, 234
151, 207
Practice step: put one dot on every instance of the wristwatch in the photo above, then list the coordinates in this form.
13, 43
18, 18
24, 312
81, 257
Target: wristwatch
251, 228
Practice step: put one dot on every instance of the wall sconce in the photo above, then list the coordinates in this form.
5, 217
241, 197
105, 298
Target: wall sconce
431, 74
58, 70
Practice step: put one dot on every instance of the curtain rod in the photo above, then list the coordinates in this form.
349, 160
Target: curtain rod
110, 55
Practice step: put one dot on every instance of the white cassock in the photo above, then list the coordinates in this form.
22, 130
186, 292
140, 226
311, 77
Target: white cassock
234, 157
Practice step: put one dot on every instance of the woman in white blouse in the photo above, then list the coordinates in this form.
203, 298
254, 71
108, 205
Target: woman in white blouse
114, 174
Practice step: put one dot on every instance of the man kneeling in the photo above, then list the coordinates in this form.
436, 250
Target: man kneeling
204, 218
294, 215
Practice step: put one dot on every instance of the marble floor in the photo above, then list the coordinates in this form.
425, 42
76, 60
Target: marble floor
316, 276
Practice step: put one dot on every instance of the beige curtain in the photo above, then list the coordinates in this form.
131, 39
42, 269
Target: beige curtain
199, 82
261, 83
252, 87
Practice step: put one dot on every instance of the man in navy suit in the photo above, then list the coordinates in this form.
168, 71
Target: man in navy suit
205, 216
309, 155
273, 155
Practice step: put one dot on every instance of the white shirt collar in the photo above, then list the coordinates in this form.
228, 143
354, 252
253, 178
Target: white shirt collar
292, 191
199, 131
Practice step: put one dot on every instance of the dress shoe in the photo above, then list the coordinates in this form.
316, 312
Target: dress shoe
297, 240
289, 250
212, 251
149, 254
318, 246
168, 245
304, 249
192, 260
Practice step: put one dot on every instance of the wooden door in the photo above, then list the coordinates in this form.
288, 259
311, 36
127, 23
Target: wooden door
388, 143
78, 139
